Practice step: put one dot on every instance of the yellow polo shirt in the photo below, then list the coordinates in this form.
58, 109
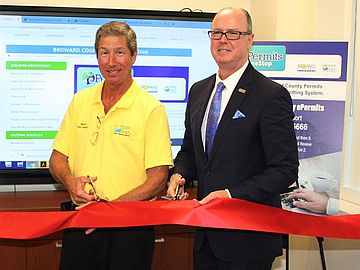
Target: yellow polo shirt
117, 147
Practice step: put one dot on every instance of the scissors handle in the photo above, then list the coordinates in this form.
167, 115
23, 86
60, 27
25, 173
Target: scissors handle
176, 196
177, 189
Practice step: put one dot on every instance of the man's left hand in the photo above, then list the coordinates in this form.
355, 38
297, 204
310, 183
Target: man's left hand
214, 195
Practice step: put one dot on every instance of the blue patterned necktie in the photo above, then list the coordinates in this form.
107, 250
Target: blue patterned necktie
213, 117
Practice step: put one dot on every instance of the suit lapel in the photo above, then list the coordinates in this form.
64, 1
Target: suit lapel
238, 96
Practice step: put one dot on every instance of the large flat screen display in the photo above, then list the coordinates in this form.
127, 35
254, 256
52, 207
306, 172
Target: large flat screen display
47, 54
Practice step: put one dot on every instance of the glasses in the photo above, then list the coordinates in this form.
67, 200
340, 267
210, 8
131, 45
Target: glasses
230, 35
95, 135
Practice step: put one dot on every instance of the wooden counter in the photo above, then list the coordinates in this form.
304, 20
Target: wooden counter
32, 200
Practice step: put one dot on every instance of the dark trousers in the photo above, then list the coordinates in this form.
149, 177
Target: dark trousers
204, 259
108, 249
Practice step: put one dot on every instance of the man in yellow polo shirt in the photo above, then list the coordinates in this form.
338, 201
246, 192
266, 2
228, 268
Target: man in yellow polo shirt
116, 136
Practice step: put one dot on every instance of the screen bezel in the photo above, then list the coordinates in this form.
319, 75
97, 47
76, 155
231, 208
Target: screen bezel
43, 176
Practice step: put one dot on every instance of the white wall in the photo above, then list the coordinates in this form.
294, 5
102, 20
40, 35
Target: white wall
273, 20
204, 5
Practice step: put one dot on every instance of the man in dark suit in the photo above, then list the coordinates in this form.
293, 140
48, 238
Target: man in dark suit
253, 155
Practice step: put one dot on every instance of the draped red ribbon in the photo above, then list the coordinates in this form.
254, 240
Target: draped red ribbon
219, 213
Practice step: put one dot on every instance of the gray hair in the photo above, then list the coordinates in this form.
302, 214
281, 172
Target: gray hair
249, 20
116, 28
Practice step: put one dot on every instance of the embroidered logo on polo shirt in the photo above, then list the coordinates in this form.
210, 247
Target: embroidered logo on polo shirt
122, 130
82, 125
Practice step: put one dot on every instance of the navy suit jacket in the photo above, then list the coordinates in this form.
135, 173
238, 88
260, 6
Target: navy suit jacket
255, 157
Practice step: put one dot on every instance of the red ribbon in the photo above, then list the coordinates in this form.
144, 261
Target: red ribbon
219, 213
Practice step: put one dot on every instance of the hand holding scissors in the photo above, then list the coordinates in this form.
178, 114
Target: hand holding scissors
176, 188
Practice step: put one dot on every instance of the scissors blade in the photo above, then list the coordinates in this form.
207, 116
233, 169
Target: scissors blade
96, 196
177, 193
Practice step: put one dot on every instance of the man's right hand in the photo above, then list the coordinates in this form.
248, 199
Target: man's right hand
60, 170
177, 182
76, 188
